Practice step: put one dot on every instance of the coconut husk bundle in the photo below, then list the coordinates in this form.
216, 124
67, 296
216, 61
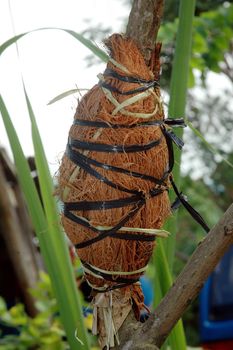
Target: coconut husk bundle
114, 180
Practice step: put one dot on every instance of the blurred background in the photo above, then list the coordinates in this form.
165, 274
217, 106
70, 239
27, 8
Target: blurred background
51, 63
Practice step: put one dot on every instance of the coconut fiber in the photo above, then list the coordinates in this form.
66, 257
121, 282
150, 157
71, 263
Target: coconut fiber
114, 175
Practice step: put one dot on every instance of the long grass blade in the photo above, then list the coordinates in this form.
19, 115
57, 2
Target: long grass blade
87, 43
50, 235
176, 338
165, 251
178, 94
26, 182
70, 306
208, 145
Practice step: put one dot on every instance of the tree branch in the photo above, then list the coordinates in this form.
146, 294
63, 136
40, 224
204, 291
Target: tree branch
143, 24
20, 248
134, 335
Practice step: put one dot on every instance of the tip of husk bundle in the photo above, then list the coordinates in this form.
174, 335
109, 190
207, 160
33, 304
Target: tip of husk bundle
125, 52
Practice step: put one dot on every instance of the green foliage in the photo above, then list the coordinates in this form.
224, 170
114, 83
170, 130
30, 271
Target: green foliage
171, 7
212, 36
222, 184
207, 144
46, 224
44, 331
189, 232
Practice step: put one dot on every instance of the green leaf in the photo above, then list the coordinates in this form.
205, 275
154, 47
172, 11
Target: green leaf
176, 338
87, 43
167, 32
191, 78
199, 43
26, 182
11, 41
3, 307
208, 145
197, 62
51, 237
65, 286
18, 315
178, 91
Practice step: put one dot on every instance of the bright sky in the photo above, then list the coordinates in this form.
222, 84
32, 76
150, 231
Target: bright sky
51, 62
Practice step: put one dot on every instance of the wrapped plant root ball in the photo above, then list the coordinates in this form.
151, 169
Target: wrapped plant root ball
114, 180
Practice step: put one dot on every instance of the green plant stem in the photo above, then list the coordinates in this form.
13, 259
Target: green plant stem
165, 252
177, 103
158, 295
176, 338
65, 286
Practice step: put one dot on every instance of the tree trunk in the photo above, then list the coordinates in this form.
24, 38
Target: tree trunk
17, 232
143, 25
136, 336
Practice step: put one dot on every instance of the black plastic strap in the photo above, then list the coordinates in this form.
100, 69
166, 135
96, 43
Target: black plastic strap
180, 197
101, 147
112, 231
112, 204
128, 92
138, 200
75, 157
107, 277
179, 143
176, 204
104, 124
74, 154
103, 205
128, 79
175, 122
116, 286
68, 207
125, 236
170, 152
196, 216
145, 84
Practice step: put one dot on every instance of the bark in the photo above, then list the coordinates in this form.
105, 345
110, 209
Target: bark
143, 24
27, 228
21, 208
18, 241
155, 330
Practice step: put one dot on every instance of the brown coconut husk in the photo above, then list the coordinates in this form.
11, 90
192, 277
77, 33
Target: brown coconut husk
75, 184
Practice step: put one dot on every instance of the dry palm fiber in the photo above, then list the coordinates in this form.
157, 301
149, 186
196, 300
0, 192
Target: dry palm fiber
110, 262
